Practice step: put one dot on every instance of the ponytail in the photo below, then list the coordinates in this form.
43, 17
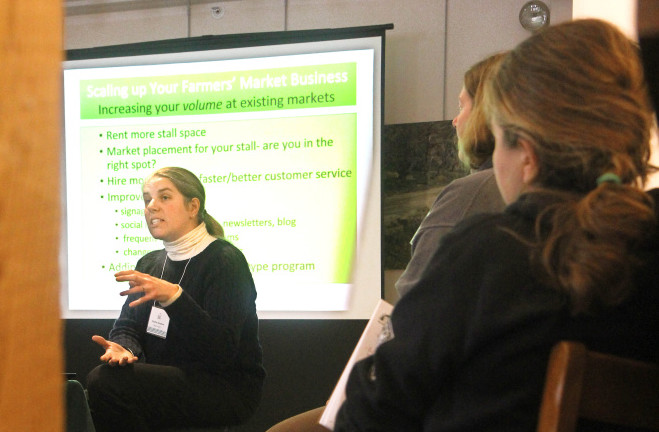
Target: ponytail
212, 226
587, 244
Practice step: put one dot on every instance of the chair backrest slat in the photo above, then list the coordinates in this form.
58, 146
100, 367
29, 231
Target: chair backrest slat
601, 387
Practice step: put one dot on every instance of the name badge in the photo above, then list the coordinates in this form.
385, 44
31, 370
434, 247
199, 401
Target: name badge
158, 322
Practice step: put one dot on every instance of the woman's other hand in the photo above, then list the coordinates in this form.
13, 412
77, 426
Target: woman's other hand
115, 354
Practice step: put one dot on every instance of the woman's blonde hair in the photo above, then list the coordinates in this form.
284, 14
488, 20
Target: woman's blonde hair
476, 142
577, 94
190, 187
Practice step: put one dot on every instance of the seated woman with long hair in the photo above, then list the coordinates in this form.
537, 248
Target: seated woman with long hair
185, 351
573, 256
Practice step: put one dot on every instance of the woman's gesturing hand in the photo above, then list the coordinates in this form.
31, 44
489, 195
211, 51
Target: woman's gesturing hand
152, 287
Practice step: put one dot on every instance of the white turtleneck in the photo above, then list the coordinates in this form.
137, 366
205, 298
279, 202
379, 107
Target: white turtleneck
186, 247
190, 244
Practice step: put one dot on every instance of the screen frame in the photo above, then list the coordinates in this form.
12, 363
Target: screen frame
227, 42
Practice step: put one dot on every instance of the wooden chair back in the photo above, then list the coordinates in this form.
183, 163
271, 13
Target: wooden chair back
303, 422
605, 388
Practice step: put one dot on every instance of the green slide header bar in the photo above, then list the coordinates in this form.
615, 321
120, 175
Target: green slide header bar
216, 93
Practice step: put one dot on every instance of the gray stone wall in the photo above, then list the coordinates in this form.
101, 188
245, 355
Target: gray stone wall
418, 160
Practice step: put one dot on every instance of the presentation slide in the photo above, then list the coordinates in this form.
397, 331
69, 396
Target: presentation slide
284, 146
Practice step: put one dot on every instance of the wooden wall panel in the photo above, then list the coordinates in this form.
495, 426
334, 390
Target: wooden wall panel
31, 383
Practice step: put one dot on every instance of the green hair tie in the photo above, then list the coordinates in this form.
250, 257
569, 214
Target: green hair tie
608, 177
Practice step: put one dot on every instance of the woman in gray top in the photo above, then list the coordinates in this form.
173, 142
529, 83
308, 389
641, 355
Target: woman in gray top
473, 194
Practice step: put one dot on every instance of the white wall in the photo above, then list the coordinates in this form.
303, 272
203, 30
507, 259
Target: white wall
414, 56
421, 82
620, 12
479, 28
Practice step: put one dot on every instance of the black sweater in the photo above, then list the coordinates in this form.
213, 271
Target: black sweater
213, 329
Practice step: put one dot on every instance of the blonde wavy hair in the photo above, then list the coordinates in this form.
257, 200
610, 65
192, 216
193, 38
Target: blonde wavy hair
577, 94
476, 142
